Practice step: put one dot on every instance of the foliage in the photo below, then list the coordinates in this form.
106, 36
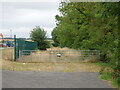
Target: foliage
56, 42
39, 35
92, 26
109, 77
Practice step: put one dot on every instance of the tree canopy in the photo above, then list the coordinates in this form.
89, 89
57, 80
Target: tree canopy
39, 35
90, 25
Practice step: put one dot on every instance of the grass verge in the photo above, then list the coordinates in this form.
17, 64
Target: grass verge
114, 82
106, 73
50, 66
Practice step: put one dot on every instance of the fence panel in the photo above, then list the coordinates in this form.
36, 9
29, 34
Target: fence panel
21, 44
18, 44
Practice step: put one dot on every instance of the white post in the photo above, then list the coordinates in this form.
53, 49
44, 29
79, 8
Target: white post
20, 54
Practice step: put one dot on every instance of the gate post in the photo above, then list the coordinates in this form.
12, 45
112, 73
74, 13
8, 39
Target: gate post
15, 48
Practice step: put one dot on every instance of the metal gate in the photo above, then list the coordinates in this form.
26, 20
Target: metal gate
51, 55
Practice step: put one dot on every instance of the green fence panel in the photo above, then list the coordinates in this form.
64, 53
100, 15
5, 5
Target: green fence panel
21, 44
30, 45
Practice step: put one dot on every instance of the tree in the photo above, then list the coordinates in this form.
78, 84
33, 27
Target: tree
54, 37
39, 35
91, 25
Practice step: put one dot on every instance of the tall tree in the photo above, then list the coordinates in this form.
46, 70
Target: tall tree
91, 26
39, 35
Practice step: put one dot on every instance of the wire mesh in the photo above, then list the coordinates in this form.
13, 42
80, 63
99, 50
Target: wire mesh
51, 55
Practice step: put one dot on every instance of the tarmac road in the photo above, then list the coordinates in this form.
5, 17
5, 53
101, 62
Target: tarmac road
31, 79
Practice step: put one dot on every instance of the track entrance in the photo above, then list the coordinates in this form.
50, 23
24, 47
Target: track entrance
52, 55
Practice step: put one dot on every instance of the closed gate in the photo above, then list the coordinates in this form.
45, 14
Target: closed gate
53, 55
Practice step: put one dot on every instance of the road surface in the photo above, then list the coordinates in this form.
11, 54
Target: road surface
31, 79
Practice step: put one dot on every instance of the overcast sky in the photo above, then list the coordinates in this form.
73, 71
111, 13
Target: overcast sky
22, 17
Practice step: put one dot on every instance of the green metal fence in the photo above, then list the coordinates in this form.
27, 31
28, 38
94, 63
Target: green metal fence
21, 44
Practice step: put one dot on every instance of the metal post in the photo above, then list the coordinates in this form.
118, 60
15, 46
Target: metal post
15, 48
20, 53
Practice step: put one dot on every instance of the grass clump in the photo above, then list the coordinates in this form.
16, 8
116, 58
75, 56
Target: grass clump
109, 77
110, 74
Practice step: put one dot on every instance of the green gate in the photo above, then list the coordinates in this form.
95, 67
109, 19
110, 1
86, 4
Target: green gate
21, 44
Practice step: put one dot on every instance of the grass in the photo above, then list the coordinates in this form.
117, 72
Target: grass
114, 82
50, 66
7, 53
103, 64
107, 74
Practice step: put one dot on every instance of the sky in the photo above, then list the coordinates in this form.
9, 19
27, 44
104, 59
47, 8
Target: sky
19, 18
